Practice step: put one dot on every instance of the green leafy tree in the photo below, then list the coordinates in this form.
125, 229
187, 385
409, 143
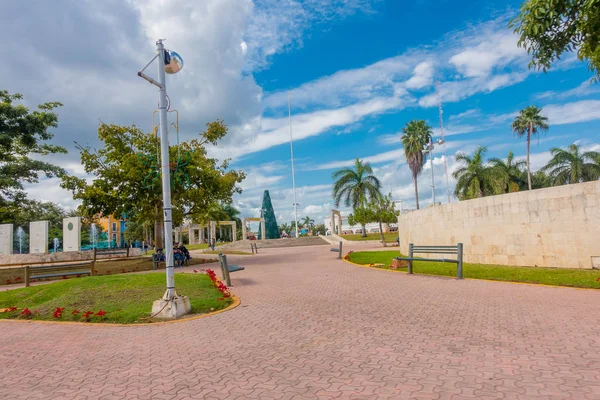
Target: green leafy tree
126, 172
509, 171
539, 180
319, 229
383, 210
416, 134
23, 134
549, 28
285, 228
474, 178
361, 216
355, 187
529, 122
572, 165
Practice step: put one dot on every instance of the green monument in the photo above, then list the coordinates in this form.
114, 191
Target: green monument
271, 228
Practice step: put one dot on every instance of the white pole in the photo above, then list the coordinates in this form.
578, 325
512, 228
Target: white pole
293, 173
443, 140
431, 164
166, 173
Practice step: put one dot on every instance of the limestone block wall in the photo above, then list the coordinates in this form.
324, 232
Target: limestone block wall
553, 227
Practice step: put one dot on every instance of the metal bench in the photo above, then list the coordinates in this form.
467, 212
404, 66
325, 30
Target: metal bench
56, 270
458, 250
226, 268
99, 252
338, 250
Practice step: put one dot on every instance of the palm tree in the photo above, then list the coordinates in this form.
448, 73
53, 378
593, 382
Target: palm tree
530, 122
214, 212
308, 222
510, 171
540, 180
416, 135
355, 186
474, 178
573, 166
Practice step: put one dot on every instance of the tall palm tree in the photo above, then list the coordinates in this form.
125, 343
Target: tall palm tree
355, 186
573, 166
308, 222
416, 135
529, 122
509, 171
474, 178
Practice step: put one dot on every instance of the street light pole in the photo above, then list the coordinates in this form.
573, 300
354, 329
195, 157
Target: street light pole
293, 172
431, 165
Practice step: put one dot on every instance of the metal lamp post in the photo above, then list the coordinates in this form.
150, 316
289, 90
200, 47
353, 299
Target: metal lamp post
429, 150
293, 172
179, 305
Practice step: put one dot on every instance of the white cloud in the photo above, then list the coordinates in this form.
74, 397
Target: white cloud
422, 76
397, 154
584, 89
489, 51
569, 113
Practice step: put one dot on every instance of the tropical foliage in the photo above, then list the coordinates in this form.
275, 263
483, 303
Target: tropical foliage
549, 28
474, 178
573, 166
127, 176
416, 135
528, 123
355, 187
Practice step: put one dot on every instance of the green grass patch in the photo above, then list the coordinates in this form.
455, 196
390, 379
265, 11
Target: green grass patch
124, 298
389, 237
546, 276
202, 246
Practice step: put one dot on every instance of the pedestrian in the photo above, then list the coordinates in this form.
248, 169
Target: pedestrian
212, 244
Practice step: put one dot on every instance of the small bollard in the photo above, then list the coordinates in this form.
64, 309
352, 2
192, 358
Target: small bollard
225, 268
340, 253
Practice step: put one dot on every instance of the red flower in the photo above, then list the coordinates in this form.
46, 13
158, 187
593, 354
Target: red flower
18, 278
598, 280
58, 312
108, 272
87, 314
75, 312
8, 281
79, 275
12, 309
64, 277
101, 313
195, 271
95, 271
25, 313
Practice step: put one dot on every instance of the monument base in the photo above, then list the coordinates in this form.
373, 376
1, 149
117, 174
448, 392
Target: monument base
178, 307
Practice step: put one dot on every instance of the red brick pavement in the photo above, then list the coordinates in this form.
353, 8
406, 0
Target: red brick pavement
312, 327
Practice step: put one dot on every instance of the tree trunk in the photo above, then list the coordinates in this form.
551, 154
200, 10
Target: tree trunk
382, 235
416, 193
364, 230
528, 147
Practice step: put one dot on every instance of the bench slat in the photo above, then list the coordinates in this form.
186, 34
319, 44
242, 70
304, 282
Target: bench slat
426, 259
55, 275
234, 268
58, 266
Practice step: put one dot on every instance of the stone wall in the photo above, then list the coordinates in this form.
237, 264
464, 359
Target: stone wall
23, 259
552, 227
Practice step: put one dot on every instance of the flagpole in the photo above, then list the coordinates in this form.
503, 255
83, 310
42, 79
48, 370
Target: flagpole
293, 172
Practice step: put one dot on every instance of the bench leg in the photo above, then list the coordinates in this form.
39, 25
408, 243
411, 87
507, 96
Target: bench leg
26, 272
459, 265
410, 255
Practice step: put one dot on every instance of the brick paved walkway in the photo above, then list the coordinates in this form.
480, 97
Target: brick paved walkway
327, 330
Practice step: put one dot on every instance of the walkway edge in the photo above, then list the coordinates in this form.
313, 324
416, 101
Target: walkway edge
471, 279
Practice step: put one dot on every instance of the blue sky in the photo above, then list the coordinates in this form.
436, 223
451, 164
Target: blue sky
357, 71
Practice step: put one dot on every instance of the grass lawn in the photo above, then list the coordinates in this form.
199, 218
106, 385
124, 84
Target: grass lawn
547, 276
124, 298
201, 246
389, 237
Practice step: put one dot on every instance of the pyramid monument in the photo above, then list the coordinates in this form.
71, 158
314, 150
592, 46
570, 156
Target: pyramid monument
271, 228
